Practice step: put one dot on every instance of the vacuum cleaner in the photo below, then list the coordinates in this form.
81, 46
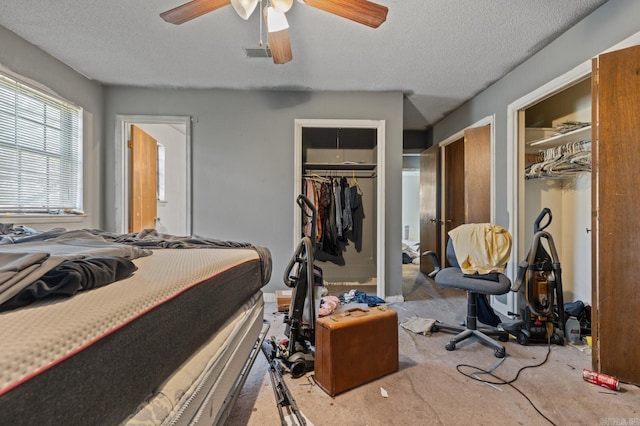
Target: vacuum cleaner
297, 352
540, 316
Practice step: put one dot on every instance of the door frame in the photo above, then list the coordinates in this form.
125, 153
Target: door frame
515, 152
379, 126
121, 204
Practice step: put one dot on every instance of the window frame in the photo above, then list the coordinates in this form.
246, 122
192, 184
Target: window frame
71, 138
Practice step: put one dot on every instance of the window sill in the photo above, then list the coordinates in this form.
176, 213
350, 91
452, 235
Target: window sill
24, 219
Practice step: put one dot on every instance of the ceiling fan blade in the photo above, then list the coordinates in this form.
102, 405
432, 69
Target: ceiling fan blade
193, 9
361, 11
280, 45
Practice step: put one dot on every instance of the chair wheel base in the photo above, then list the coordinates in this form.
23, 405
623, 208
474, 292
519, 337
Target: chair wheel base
500, 353
450, 346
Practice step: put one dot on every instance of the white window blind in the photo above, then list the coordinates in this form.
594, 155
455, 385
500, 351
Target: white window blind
40, 151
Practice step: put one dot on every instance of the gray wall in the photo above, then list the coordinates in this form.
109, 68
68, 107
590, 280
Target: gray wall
44, 71
606, 26
242, 149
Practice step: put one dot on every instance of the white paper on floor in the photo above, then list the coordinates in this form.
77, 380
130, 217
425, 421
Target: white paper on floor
419, 325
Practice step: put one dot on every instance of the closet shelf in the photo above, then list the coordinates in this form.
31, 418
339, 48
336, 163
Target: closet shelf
339, 166
583, 133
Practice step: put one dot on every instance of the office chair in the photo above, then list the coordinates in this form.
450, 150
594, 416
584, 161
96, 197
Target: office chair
476, 285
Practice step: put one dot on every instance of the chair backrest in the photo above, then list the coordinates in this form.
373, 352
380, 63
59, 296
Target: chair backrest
451, 254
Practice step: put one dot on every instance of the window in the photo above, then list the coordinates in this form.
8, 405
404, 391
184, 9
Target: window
40, 151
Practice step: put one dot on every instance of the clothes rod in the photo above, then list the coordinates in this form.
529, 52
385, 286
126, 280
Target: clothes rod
335, 174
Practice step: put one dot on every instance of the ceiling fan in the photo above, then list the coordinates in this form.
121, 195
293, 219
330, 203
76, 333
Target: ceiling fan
360, 11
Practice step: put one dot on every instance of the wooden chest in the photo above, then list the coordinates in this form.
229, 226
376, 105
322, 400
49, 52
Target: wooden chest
355, 347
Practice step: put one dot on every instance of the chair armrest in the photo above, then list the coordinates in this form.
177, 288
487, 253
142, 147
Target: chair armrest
435, 261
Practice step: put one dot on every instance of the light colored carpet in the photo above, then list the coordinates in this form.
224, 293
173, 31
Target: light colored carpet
428, 389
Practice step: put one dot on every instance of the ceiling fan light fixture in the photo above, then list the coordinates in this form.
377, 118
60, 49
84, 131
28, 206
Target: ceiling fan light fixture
276, 20
361, 11
282, 5
244, 8
278, 35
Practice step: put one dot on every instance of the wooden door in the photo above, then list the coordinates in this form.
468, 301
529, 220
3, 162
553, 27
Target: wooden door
454, 210
615, 218
477, 174
429, 205
143, 191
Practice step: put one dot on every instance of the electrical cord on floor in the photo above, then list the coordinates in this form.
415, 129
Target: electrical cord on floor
501, 381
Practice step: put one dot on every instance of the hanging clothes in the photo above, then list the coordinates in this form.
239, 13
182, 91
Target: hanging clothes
309, 192
338, 205
357, 214
347, 218
340, 216
330, 246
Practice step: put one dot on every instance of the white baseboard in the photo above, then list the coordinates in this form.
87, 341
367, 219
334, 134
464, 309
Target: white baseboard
394, 299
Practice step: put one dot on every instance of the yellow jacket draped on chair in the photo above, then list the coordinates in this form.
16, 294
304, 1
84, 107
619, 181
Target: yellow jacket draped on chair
481, 247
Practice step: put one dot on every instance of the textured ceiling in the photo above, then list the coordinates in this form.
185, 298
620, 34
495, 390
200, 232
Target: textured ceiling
440, 53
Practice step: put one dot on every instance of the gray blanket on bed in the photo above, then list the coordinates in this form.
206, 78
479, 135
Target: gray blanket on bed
25, 262
152, 239
69, 277
35, 265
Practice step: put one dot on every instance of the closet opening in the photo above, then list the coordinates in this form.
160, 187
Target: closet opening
557, 175
552, 129
339, 168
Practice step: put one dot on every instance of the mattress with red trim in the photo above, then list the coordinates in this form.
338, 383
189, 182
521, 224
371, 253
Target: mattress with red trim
92, 358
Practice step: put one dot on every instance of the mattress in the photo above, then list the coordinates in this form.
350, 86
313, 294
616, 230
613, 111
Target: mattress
93, 358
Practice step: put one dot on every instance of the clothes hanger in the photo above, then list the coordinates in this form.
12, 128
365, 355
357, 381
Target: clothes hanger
564, 160
353, 181
317, 178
